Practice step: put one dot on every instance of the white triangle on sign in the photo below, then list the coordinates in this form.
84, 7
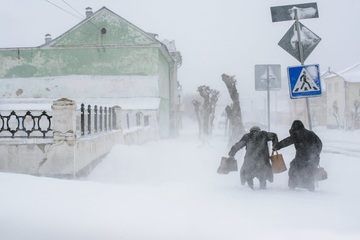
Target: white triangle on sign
272, 76
305, 82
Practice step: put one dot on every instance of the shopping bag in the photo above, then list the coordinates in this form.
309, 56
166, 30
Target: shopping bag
227, 165
277, 162
320, 174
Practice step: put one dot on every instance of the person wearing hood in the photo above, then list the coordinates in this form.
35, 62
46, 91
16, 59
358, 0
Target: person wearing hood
308, 147
256, 159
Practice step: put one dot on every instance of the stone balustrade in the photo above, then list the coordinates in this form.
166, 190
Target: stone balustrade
66, 154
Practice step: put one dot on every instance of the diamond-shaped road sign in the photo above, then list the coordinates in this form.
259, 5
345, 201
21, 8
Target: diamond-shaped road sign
304, 81
267, 74
290, 41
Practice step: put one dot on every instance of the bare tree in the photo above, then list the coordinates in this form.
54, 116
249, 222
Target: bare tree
336, 113
206, 115
356, 114
198, 114
213, 100
233, 111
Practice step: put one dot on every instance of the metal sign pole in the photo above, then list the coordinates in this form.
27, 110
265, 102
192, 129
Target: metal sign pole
268, 94
302, 63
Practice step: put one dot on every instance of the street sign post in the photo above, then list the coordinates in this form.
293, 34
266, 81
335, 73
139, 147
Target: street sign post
304, 81
299, 41
268, 77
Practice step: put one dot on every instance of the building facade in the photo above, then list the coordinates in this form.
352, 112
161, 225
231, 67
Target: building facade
343, 98
104, 58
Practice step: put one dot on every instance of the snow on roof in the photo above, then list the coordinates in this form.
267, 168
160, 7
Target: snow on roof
170, 45
39, 104
350, 74
356, 66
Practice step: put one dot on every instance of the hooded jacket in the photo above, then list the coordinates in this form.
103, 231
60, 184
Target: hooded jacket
307, 144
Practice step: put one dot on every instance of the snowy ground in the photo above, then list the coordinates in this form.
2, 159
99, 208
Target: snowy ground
169, 189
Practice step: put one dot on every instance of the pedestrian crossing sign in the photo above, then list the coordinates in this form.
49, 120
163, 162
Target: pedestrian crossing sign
304, 81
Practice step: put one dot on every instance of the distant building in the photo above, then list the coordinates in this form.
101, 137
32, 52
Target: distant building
102, 59
343, 98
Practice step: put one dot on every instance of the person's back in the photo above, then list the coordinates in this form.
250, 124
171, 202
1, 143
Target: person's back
257, 145
307, 144
307, 157
256, 159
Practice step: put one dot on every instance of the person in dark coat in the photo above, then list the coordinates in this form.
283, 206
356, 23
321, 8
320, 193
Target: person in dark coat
256, 159
308, 148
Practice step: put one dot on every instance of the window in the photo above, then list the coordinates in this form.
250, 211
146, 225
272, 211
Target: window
138, 118
336, 87
146, 120
329, 88
128, 120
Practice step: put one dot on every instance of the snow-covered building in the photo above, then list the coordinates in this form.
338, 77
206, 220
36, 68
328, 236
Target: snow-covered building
343, 98
103, 59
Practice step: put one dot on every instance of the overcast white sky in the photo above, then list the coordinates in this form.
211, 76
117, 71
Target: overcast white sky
214, 37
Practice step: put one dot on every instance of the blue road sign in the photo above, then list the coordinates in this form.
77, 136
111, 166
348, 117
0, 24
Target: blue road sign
304, 81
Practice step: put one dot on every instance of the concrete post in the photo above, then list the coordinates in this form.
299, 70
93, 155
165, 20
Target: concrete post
60, 158
118, 117
64, 121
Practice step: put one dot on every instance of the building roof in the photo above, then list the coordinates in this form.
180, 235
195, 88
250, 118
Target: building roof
349, 74
352, 73
151, 37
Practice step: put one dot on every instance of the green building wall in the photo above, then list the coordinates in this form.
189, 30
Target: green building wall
101, 45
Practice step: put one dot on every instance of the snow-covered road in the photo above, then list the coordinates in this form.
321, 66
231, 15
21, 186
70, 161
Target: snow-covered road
169, 189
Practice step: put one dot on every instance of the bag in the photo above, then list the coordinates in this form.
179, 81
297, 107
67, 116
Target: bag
320, 174
277, 162
227, 165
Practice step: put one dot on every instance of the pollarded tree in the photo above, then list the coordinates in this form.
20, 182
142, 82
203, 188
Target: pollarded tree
207, 117
213, 100
198, 115
233, 111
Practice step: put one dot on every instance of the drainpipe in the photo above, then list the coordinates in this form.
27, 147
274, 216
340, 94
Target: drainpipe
346, 84
171, 102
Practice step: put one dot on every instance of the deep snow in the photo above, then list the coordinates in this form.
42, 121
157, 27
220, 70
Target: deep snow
169, 189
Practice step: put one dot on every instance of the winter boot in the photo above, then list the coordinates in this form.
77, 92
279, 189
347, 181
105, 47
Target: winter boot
292, 183
311, 186
263, 185
250, 182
